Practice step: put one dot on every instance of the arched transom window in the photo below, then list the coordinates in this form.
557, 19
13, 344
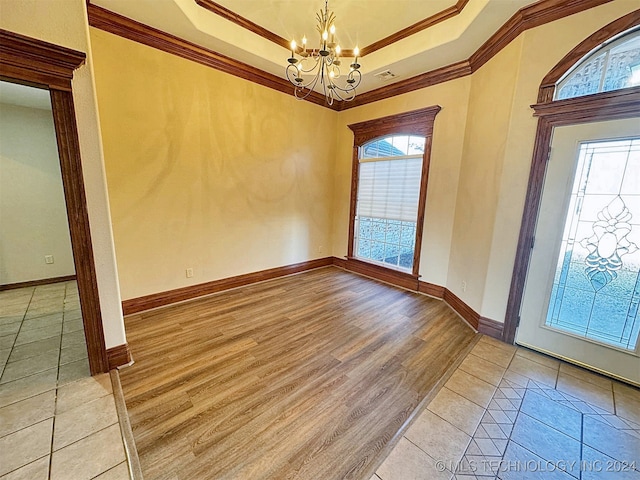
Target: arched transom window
613, 66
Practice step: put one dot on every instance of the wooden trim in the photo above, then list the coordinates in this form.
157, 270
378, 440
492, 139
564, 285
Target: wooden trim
36, 62
622, 24
44, 65
128, 440
422, 199
434, 19
253, 27
531, 16
465, 311
73, 184
416, 122
431, 289
384, 274
118, 356
35, 283
130, 29
243, 22
423, 80
156, 300
591, 108
490, 327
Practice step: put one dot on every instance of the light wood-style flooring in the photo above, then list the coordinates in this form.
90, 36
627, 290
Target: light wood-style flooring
304, 377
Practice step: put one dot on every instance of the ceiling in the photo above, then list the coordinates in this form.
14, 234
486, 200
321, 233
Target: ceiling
256, 32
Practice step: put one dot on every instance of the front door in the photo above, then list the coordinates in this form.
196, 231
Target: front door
582, 293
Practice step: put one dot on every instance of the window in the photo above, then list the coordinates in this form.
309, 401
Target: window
390, 170
388, 197
595, 289
614, 66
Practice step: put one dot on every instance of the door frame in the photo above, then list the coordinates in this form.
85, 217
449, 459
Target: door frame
613, 105
40, 64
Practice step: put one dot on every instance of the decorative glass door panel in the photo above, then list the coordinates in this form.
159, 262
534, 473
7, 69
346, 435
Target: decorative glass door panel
596, 289
582, 293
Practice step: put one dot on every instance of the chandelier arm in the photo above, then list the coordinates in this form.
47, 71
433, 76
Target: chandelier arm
325, 67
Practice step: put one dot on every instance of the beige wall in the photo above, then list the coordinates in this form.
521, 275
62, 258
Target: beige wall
483, 142
444, 170
64, 22
207, 171
211, 172
32, 206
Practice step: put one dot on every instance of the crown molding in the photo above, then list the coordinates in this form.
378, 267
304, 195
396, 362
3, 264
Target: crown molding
122, 26
441, 16
247, 24
539, 13
531, 16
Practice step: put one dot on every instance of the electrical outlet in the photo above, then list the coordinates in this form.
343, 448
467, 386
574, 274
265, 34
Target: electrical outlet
464, 286
48, 259
189, 272
320, 249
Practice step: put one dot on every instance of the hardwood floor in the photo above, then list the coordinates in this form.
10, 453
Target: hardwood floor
304, 377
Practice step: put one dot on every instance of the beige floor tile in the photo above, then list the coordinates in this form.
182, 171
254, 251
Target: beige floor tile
84, 420
375, 477
628, 406
29, 366
457, 410
497, 344
483, 369
9, 328
29, 336
89, 457
72, 325
7, 341
72, 338
585, 391
438, 438
516, 378
28, 386
585, 375
533, 370
73, 353
82, 391
38, 470
73, 371
538, 358
471, 387
41, 322
624, 389
119, 472
4, 355
493, 354
27, 412
34, 349
408, 462
25, 446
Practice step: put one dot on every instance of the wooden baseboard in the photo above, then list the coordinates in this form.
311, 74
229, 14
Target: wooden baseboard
118, 356
490, 327
140, 304
431, 289
35, 283
465, 311
394, 277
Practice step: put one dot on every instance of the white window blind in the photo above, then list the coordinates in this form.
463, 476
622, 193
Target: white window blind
390, 188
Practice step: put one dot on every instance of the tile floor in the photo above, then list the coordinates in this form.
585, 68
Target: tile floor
56, 422
510, 413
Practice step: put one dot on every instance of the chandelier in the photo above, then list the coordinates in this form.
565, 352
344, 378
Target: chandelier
323, 64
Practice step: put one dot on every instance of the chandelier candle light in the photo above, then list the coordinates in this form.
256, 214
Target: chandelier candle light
323, 64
